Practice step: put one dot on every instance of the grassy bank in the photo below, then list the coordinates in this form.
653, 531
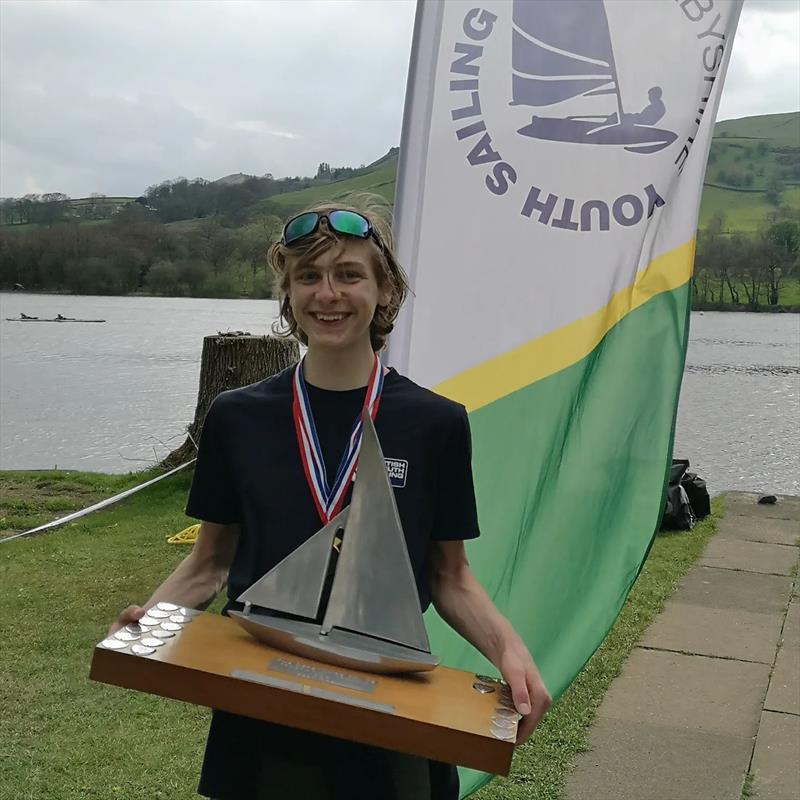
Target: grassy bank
64, 737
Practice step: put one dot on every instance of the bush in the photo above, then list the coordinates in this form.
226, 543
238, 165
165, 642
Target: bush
222, 285
162, 278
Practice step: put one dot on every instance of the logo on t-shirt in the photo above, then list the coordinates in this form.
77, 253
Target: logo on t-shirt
397, 468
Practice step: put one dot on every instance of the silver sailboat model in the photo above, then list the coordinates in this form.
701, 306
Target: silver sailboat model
347, 596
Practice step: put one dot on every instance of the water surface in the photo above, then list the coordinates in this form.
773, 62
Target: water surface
118, 396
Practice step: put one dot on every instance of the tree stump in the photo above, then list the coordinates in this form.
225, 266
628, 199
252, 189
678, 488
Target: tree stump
228, 362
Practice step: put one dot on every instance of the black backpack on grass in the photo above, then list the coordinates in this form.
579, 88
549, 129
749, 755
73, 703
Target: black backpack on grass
687, 498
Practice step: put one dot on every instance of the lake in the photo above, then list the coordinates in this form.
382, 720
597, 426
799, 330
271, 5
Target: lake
117, 397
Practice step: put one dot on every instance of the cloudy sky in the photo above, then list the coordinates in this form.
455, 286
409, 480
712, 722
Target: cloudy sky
114, 95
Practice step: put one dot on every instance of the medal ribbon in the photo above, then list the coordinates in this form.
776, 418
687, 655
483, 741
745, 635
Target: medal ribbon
328, 499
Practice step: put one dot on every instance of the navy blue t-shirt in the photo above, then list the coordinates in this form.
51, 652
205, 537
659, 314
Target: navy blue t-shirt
249, 472
248, 469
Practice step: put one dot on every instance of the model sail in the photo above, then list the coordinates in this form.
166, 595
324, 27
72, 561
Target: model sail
561, 49
374, 591
365, 593
294, 586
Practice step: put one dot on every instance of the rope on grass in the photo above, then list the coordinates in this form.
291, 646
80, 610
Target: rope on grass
186, 536
97, 506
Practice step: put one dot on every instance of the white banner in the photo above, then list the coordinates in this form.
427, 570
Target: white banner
551, 150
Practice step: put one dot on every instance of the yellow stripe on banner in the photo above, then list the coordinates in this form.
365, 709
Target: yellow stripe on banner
534, 360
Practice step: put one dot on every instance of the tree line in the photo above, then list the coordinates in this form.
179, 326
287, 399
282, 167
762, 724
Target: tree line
136, 252
171, 200
748, 270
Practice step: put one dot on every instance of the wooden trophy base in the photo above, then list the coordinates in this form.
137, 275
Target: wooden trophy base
209, 660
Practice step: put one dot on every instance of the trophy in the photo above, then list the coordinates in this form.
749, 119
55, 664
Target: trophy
334, 586
346, 598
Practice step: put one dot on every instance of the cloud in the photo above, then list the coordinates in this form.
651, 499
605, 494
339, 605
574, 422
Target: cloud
113, 97
764, 72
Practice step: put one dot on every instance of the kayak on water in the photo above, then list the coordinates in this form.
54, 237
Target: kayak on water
59, 318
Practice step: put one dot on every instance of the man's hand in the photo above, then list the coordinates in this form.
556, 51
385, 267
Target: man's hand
130, 615
531, 698
466, 607
197, 580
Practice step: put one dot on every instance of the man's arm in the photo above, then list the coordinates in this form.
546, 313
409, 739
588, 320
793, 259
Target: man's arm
198, 579
462, 602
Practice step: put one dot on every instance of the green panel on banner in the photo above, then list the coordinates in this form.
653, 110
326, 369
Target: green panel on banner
568, 474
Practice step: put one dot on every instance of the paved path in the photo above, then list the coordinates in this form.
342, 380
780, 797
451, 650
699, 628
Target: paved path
712, 692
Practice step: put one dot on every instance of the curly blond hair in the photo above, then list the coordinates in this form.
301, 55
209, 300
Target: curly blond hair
388, 272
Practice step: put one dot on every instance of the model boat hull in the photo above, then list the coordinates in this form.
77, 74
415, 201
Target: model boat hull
339, 647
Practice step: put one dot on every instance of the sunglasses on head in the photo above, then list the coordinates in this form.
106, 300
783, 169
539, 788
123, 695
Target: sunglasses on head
349, 223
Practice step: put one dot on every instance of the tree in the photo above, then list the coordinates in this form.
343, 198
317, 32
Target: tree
782, 249
774, 190
254, 240
162, 278
747, 265
192, 274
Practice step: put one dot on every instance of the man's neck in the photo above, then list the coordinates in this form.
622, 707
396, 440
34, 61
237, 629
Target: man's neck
338, 370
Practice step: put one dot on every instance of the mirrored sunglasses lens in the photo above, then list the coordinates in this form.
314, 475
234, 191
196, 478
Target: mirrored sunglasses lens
349, 222
299, 227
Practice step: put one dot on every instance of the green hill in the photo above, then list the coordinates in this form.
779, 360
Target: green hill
752, 150
380, 181
753, 167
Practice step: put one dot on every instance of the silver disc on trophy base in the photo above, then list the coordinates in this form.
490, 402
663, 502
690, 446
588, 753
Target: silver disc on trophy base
171, 626
182, 618
507, 713
157, 613
503, 722
142, 650
506, 701
490, 679
161, 634
113, 644
171, 607
134, 627
151, 641
126, 636
148, 621
483, 688
503, 733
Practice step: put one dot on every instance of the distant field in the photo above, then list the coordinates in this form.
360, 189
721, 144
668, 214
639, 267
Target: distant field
186, 225
781, 129
36, 226
380, 181
744, 211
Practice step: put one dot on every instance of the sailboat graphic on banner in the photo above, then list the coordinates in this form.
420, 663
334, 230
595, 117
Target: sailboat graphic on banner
561, 51
347, 595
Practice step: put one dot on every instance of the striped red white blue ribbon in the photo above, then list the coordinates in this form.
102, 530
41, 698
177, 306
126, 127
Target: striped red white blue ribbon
328, 499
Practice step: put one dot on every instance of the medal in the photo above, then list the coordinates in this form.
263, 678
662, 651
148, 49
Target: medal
328, 499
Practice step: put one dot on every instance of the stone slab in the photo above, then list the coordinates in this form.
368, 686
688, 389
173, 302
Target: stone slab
776, 759
714, 695
632, 761
791, 628
744, 504
721, 632
784, 685
770, 559
725, 588
752, 529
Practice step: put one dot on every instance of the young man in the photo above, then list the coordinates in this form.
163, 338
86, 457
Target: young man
341, 291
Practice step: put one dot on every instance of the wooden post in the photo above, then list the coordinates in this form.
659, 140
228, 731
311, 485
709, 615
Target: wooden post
228, 362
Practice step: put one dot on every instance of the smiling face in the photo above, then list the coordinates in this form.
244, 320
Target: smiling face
333, 296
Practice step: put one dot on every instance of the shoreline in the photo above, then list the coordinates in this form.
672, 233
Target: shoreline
782, 308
